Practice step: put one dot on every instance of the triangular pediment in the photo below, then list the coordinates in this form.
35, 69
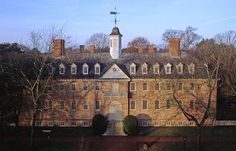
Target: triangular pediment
114, 72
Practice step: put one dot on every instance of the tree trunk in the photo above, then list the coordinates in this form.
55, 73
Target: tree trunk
32, 132
198, 138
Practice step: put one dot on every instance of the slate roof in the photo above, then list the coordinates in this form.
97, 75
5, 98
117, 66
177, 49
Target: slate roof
124, 62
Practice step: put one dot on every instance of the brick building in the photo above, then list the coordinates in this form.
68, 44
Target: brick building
137, 81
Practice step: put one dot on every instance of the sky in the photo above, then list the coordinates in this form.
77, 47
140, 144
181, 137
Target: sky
82, 18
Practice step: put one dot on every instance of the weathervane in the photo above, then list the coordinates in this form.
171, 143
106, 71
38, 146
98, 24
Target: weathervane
114, 13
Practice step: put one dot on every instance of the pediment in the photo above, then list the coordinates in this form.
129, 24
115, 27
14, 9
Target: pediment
114, 72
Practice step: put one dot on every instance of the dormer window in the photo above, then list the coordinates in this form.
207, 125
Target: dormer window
179, 68
156, 68
85, 69
144, 68
61, 69
191, 68
73, 69
132, 68
168, 68
97, 68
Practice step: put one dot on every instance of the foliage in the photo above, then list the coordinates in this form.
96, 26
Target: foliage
100, 40
130, 125
139, 42
227, 37
99, 124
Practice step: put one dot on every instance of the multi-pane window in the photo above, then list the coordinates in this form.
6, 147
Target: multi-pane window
73, 86
85, 105
191, 86
62, 123
145, 86
85, 124
61, 69
97, 68
85, 88
157, 104
191, 104
97, 105
145, 104
156, 68
191, 68
168, 104
168, 68
73, 69
62, 105
157, 86
132, 104
85, 69
144, 68
132, 86
73, 105
179, 68
97, 86
73, 123
168, 86
132, 68
180, 86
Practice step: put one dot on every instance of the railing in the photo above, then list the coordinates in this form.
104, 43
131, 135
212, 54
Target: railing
115, 94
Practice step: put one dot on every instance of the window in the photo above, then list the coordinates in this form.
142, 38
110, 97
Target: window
168, 86
85, 69
191, 104
61, 69
192, 86
168, 104
73, 105
85, 124
145, 86
180, 123
85, 105
62, 123
144, 123
156, 123
50, 105
73, 86
85, 86
168, 123
145, 104
73, 123
179, 68
73, 69
37, 123
132, 86
132, 68
191, 68
61, 87
132, 105
97, 105
156, 68
97, 86
157, 86
97, 68
144, 68
168, 68
50, 124
62, 105
157, 104
191, 123
180, 86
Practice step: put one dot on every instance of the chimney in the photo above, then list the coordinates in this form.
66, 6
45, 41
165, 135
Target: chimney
151, 49
174, 46
140, 49
58, 48
91, 49
81, 48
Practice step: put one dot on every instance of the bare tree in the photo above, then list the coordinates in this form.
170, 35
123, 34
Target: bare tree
188, 37
100, 40
139, 42
227, 37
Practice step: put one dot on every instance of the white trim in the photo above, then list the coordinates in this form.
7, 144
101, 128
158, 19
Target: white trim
145, 66
73, 66
62, 69
85, 72
97, 65
168, 68
134, 86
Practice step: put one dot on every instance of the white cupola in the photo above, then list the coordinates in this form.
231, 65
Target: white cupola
115, 43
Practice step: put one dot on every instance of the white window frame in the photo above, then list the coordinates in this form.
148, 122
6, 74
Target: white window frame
62, 123
85, 105
143, 67
191, 68
146, 85
179, 66
38, 123
73, 123
134, 67
97, 85
159, 86
143, 104
168, 123
156, 68
85, 123
85, 72
167, 66
97, 65
73, 66
180, 123
134, 104
134, 86
62, 69
158, 104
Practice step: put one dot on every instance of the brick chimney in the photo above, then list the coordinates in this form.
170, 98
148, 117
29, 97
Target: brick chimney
81, 49
174, 46
58, 48
151, 49
91, 49
140, 49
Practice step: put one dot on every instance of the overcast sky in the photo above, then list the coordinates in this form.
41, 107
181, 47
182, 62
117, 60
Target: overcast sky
82, 18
